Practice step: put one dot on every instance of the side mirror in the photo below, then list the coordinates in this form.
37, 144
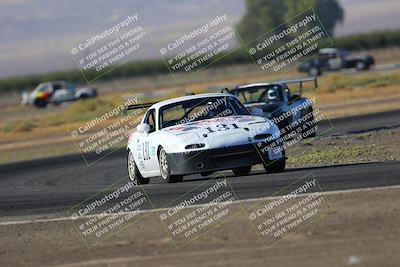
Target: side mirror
257, 112
143, 128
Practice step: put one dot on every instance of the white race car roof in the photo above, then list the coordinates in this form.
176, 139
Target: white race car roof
189, 97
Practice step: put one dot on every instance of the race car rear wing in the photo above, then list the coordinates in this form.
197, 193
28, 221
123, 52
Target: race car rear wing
300, 81
144, 105
139, 106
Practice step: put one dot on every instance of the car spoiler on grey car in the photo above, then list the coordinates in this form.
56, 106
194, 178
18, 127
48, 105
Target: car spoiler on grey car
300, 81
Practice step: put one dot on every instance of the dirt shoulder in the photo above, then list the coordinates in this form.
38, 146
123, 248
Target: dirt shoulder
372, 146
362, 231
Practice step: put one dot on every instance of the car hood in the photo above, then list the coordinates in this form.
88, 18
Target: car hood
218, 132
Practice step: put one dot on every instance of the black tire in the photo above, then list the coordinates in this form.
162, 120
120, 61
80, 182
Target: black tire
241, 171
133, 171
361, 65
83, 96
40, 103
276, 166
165, 169
314, 71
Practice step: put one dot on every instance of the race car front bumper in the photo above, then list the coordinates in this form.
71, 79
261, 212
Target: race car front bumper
211, 160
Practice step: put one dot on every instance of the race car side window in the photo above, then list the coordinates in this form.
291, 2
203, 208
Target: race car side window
237, 107
44, 87
58, 86
150, 120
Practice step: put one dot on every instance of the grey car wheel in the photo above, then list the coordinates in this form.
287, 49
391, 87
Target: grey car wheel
165, 170
314, 72
360, 65
133, 171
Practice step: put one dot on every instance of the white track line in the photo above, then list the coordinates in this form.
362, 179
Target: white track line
198, 205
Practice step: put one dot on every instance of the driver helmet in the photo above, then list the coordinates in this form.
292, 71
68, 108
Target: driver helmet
272, 93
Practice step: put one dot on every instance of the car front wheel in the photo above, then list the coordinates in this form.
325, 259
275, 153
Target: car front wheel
40, 103
241, 171
134, 173
276, 166
165, 169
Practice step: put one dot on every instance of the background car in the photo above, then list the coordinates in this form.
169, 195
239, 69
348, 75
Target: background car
333, 59
56, 92
278, 103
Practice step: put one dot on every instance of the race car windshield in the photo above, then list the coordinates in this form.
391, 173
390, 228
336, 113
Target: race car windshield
200, 109
267, 93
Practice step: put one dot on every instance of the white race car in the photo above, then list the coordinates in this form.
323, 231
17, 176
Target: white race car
201, 134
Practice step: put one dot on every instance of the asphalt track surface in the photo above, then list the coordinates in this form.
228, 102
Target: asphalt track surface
53, 186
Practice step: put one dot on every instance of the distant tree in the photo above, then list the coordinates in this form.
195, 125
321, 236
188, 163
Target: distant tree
330, 13
264, 15
261, 16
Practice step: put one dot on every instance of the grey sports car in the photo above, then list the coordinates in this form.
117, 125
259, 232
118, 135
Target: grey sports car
291, 112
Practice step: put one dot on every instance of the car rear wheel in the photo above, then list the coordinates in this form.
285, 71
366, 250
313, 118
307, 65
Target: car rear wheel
83, 96
134, 173
241, 171
314, 71
165, 169
360, 65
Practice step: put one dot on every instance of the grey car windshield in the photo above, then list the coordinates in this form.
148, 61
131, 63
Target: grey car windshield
200, 109
264, 93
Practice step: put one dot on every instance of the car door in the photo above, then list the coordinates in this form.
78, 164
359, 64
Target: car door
149, 143
335, 61
292, 101
62, 93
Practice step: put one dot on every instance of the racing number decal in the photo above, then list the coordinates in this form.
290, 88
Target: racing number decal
146, 150
222, 127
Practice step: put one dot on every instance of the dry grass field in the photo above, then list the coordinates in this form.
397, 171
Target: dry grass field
26, 132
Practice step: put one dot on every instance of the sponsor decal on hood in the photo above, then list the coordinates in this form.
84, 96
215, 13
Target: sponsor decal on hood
239, 121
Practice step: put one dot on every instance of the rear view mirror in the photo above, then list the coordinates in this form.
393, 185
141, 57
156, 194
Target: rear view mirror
143, 128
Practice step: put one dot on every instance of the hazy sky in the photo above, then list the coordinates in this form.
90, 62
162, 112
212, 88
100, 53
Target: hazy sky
36, 36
